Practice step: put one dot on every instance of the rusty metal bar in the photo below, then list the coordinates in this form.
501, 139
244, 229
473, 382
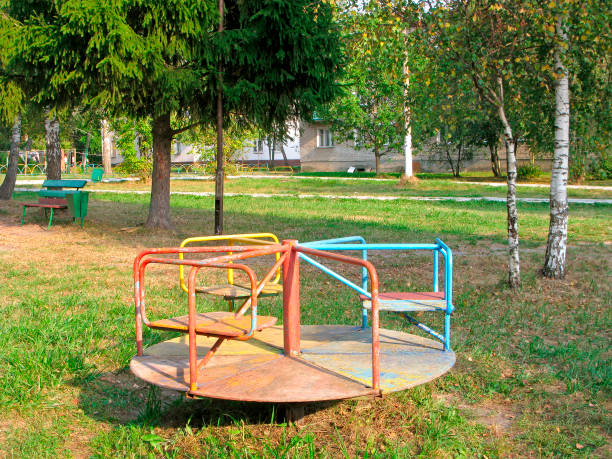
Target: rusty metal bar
262, 284
139, 285
291, 302
211, 263
375, 302
193, 343
210, 352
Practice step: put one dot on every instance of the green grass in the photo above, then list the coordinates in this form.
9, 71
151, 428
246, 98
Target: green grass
540, 357
435, 187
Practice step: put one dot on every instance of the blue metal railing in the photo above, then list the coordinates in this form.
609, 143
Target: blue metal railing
438, 247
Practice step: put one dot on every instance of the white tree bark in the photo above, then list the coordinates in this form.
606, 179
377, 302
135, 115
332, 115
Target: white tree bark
107, 146
407, 124
514, 270
556, 247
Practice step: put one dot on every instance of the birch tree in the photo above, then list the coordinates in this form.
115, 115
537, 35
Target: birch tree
556, 247
105, 135
486, 40
579, 43
370, 111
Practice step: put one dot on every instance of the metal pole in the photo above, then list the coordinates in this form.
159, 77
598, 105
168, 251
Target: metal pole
220, 160
291, 302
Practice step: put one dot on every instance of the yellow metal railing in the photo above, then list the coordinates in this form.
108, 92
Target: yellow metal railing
250, 238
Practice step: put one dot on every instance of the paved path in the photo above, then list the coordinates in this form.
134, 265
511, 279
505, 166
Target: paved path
303, 177
357, 197
373, 179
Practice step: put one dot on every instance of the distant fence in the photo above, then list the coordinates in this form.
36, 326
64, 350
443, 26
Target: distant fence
34, 162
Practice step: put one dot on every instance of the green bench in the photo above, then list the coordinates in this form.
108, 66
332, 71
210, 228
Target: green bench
54, 196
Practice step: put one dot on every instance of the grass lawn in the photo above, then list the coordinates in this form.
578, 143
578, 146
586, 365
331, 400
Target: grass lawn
316, 186
533, 375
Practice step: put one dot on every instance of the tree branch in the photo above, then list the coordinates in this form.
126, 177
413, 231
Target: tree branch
186, 128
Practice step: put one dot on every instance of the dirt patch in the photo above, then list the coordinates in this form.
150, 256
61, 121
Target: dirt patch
499, 416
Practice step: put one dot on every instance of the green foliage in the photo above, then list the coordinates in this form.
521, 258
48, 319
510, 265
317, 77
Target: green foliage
369, 111
601, 167
204, 141
131, 165
528, 171
131, 135
141, 61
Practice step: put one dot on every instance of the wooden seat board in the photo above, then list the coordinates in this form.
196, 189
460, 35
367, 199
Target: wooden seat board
218, 323
233, 291
408, 301
408, 296
42, 204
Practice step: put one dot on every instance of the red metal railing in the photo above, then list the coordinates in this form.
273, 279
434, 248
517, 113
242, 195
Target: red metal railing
140, 266
375, 303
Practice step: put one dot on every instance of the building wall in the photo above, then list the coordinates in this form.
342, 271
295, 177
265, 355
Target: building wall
291, 146
342, 156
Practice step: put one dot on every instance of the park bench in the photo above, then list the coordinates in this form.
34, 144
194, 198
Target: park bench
54, 196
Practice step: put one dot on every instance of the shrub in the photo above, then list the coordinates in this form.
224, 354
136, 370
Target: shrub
140, 167
528, 171
230, 168
601, 168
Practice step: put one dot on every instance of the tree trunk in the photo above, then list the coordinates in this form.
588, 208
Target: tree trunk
271, 147
377, 156
514, 271
54, 152
159, 208
86, 151
137, 143
282, 150
449, 158
495, 165
8, 185
106, 147
407, 124
554, 262
220, 175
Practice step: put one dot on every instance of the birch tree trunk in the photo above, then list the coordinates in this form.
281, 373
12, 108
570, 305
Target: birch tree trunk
106, 147
8, 185
514, 271
407, 124
159, 207
556, 247
54, 152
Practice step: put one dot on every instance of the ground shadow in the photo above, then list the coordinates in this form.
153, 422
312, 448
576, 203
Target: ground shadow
120, 398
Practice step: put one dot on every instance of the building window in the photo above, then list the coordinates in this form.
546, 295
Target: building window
258, 147
324, 138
